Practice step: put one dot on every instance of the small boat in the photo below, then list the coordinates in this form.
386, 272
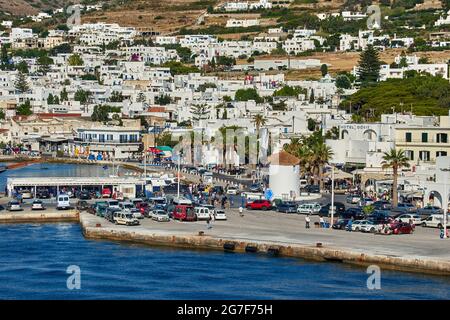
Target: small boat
105, 167
3, 168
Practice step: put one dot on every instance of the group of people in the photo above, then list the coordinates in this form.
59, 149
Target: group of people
322, 222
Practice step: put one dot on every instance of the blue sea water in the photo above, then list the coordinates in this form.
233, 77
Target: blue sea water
34, 259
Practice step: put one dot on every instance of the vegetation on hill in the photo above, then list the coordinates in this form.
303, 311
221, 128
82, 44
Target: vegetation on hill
421, 94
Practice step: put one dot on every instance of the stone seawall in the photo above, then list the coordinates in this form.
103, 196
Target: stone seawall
40, 217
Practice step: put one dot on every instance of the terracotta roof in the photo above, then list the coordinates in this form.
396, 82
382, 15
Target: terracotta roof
157, 109
284, 159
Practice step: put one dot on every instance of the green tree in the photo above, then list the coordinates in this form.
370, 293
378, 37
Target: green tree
324, 69
24, 109
259, 120
22, 67
82, 96
141, 97
4, 58
200, 112
64, 96
21, 83
116, 97
44, 63
311, 96
163, 100
288, 91
395, 159
75, 60
343, 82
369, 66
2, 114
248, 94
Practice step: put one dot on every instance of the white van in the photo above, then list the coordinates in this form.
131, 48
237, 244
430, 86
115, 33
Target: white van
309, 208
126, 218
63, 201
202, 213
435, 221
113, 203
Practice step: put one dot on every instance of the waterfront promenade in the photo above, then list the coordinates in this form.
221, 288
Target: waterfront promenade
422, 251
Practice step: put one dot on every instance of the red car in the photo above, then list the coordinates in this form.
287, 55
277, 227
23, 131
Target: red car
143, 207
184, 212
402, 228
259, 205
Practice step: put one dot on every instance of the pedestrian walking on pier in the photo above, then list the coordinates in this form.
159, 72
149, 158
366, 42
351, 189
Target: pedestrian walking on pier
241, 211
307, 221
322, 222
208, 223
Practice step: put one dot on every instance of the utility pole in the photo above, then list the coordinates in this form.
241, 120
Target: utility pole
332, 196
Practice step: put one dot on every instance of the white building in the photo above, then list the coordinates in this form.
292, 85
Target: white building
244, 23
284, 176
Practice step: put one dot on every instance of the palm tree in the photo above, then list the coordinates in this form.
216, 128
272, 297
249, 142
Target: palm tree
259, 121
395, 159
321, 155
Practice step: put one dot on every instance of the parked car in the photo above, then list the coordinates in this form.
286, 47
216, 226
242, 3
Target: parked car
37, 205
126, 218
126, 205
203, 213
255, 187
136, 213
382, 205
183, 212
84, 195
435, 221
340, 224
220, 215
405, 208
143, 207
312, 188
259, 205
325, 210
356, 225
287, 207
355, 213
14, 205
233, 190
352, 198
62, 201
407, 217
429, 210
369, 226
43, 194
309, 208
26, 194
106, 193
113, 203
160, 216
401, 228
110, 213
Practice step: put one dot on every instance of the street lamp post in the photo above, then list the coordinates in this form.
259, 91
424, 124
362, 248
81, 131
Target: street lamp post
332, 196
445, 202
178, 175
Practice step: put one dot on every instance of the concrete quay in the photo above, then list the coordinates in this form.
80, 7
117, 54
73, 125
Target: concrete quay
284, 235
39, 216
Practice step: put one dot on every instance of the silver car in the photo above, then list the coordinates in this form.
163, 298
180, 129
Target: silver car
160, 216
14, 206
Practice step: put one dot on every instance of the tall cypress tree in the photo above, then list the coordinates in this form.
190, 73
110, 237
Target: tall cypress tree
369, 66
21, 83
